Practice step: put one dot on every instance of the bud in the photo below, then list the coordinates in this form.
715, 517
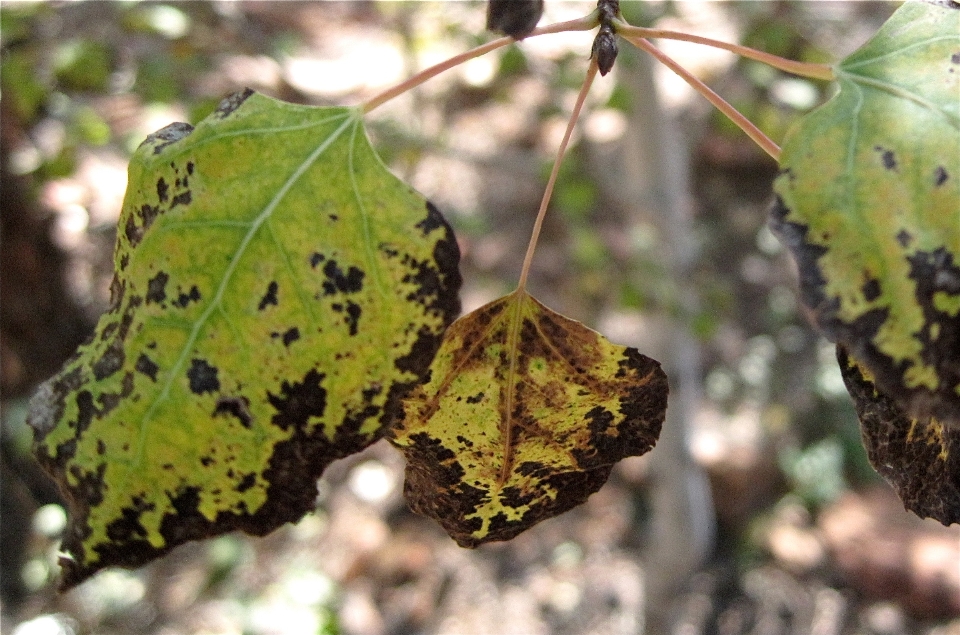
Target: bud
516, 18
605, 49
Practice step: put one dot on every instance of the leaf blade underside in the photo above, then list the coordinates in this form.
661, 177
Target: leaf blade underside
276, 292
524, 416
869, 204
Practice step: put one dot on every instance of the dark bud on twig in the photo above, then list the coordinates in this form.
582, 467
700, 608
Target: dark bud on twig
605, 44
605, 49
516, 18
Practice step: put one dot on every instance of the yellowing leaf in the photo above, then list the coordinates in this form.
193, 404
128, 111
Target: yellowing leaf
276, 292
920, 458
523, 418
869, 203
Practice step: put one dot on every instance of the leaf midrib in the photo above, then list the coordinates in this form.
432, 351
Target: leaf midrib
350, 118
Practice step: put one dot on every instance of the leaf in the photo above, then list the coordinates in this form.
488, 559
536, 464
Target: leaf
525, 413
276, 292
920, 458
869, 203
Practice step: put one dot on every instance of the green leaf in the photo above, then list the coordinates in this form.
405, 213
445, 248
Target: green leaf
869, 203
276, 292
523, 418
920, 458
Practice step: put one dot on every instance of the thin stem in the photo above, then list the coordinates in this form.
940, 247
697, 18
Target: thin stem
803, 69
581, 24
752, 131
538, 223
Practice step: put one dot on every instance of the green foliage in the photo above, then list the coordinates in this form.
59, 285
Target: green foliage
524, 416
868, 203
276, 292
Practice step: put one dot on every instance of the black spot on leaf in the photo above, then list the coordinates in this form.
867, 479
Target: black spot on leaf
353, 317
338, 281
315, 259
128, 527
871, 290
186, 298
147, 366
477, 398
299, 401
162, 190
157, 288
434, 220
289, 336
238, 407
270, 297
203, 377
248, 481
904, 238
184, 198
887, 157
940, 176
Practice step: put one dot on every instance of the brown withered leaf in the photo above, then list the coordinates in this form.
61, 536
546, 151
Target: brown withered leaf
524, 416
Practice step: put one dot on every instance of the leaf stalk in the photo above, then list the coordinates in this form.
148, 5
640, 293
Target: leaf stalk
803, 69
766, 143
548, 192
581, 24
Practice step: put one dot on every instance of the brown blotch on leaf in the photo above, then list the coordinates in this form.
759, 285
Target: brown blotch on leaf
920, 458
231, 103
167, 135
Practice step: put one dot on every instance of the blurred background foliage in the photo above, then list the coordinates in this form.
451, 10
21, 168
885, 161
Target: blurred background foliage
805, 531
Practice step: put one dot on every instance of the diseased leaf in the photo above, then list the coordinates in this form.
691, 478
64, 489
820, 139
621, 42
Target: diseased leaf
869, 203
920, 458
523, 418
276, 292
